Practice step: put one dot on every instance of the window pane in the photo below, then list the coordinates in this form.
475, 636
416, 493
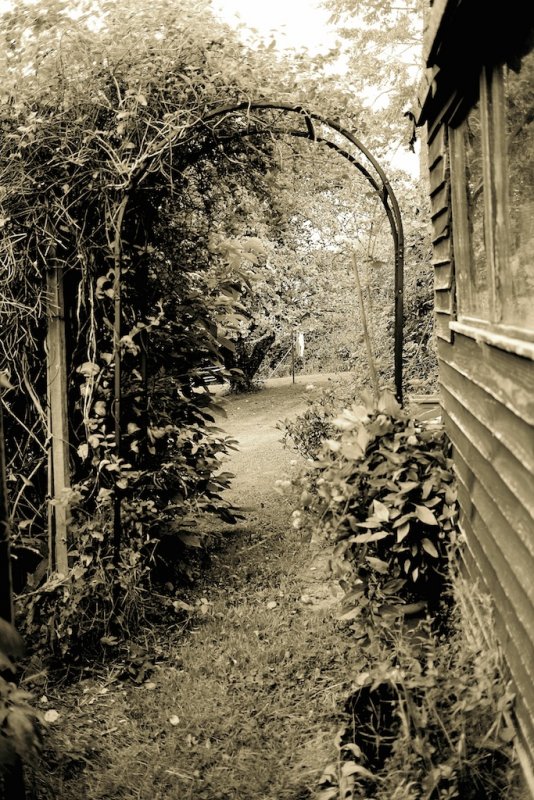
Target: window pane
476, 301
518, 283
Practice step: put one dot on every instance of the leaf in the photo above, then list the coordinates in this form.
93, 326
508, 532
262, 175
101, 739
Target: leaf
427, 488
351, 768
381, 511
352, 451
425, 515
352, 613
451, 495
181, 605
429, 548
4, 381
89, 369
363, 538
378, 565
402, 532
387, 404
83, 450
393, 586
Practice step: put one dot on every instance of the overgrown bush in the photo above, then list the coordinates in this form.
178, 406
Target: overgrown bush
383, 490
20, 724
429, 717
307, 432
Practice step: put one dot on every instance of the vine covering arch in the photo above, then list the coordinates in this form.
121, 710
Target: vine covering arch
66, 245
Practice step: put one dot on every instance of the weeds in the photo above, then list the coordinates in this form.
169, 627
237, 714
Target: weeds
429, 718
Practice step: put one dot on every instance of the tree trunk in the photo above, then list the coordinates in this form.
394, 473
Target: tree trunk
250, 360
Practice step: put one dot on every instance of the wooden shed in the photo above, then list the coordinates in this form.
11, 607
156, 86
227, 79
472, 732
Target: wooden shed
478, 108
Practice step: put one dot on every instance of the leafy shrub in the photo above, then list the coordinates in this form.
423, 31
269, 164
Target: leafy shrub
75, 617
19, 722
309, 430
384, 491
429, 717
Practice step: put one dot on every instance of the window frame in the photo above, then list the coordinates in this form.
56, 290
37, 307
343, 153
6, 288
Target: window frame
492, 104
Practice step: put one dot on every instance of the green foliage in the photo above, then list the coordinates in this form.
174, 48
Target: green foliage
20, 732
429, 717
107, 166
383, 490
78, 616
308, 431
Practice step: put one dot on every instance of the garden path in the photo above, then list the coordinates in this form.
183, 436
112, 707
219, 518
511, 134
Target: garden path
241, 700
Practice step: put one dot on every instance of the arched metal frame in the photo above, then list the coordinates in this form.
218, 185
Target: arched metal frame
381, 186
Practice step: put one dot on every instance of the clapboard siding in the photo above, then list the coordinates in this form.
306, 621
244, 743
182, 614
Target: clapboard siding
503, 424
440, 215
442, 275
487, 399
488, 408
504, 376
514, 654
438, 174
491, 521
487, 381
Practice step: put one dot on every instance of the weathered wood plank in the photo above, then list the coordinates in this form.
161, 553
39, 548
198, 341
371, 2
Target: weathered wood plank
503, 424
441, 326
509, 550
443, 301
505, 376
438, 174
58, 414
443, 276
433, 22
439, 201
436, 145
442, 249
516, 660
501, 476
441, 224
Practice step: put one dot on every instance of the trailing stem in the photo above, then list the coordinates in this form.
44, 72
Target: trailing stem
368, 343
117, 262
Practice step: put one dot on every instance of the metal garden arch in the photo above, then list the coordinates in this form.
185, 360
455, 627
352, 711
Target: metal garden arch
379, 183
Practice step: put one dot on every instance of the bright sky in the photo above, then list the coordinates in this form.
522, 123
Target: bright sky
294, 23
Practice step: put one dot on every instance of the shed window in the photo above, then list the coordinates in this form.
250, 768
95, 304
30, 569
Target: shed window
518, 281
492, 166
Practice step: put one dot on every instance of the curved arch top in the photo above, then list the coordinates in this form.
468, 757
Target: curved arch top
381, 187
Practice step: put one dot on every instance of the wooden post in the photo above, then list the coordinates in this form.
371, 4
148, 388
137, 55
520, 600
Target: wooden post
58, 461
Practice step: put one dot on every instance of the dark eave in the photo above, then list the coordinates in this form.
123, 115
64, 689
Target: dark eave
461, 37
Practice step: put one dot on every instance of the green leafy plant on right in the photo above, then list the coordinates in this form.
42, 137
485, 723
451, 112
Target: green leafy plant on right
382, 488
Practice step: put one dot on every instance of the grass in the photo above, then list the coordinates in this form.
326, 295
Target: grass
245, 705
244, 695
